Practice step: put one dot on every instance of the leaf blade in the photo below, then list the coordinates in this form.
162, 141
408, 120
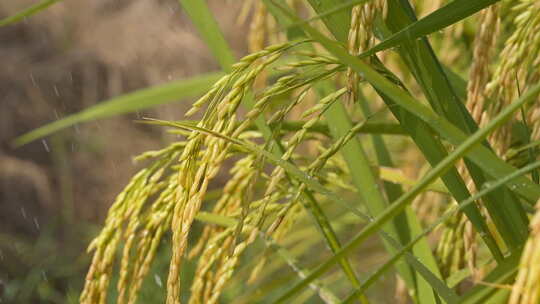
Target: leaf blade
480, 155
439, 19
207, 26
127, 103
25, 13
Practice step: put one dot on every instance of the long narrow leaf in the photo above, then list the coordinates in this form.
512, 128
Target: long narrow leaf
138, 100
482, 156
418, 55
447, 15
203, 19
313, 184
363, 177
440, 91
398, 206
34, 9
208, 28
404, 224
449, 214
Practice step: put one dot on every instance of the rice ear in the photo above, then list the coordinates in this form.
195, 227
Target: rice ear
526, 289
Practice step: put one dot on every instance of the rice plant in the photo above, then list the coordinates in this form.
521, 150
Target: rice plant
359, 119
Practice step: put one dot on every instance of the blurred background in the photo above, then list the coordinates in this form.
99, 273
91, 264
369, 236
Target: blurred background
55, 192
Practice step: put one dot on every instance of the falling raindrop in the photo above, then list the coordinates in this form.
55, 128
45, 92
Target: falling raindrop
37, 224
158, 280
45, 145
56, 91
33, 80
44, 275
23, 212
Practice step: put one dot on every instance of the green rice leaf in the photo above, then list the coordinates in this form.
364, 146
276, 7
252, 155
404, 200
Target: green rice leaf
453, 12
32, 10
481, 156
449, 214
207, 26
131, 102
404, 224
503, 207
398, 206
